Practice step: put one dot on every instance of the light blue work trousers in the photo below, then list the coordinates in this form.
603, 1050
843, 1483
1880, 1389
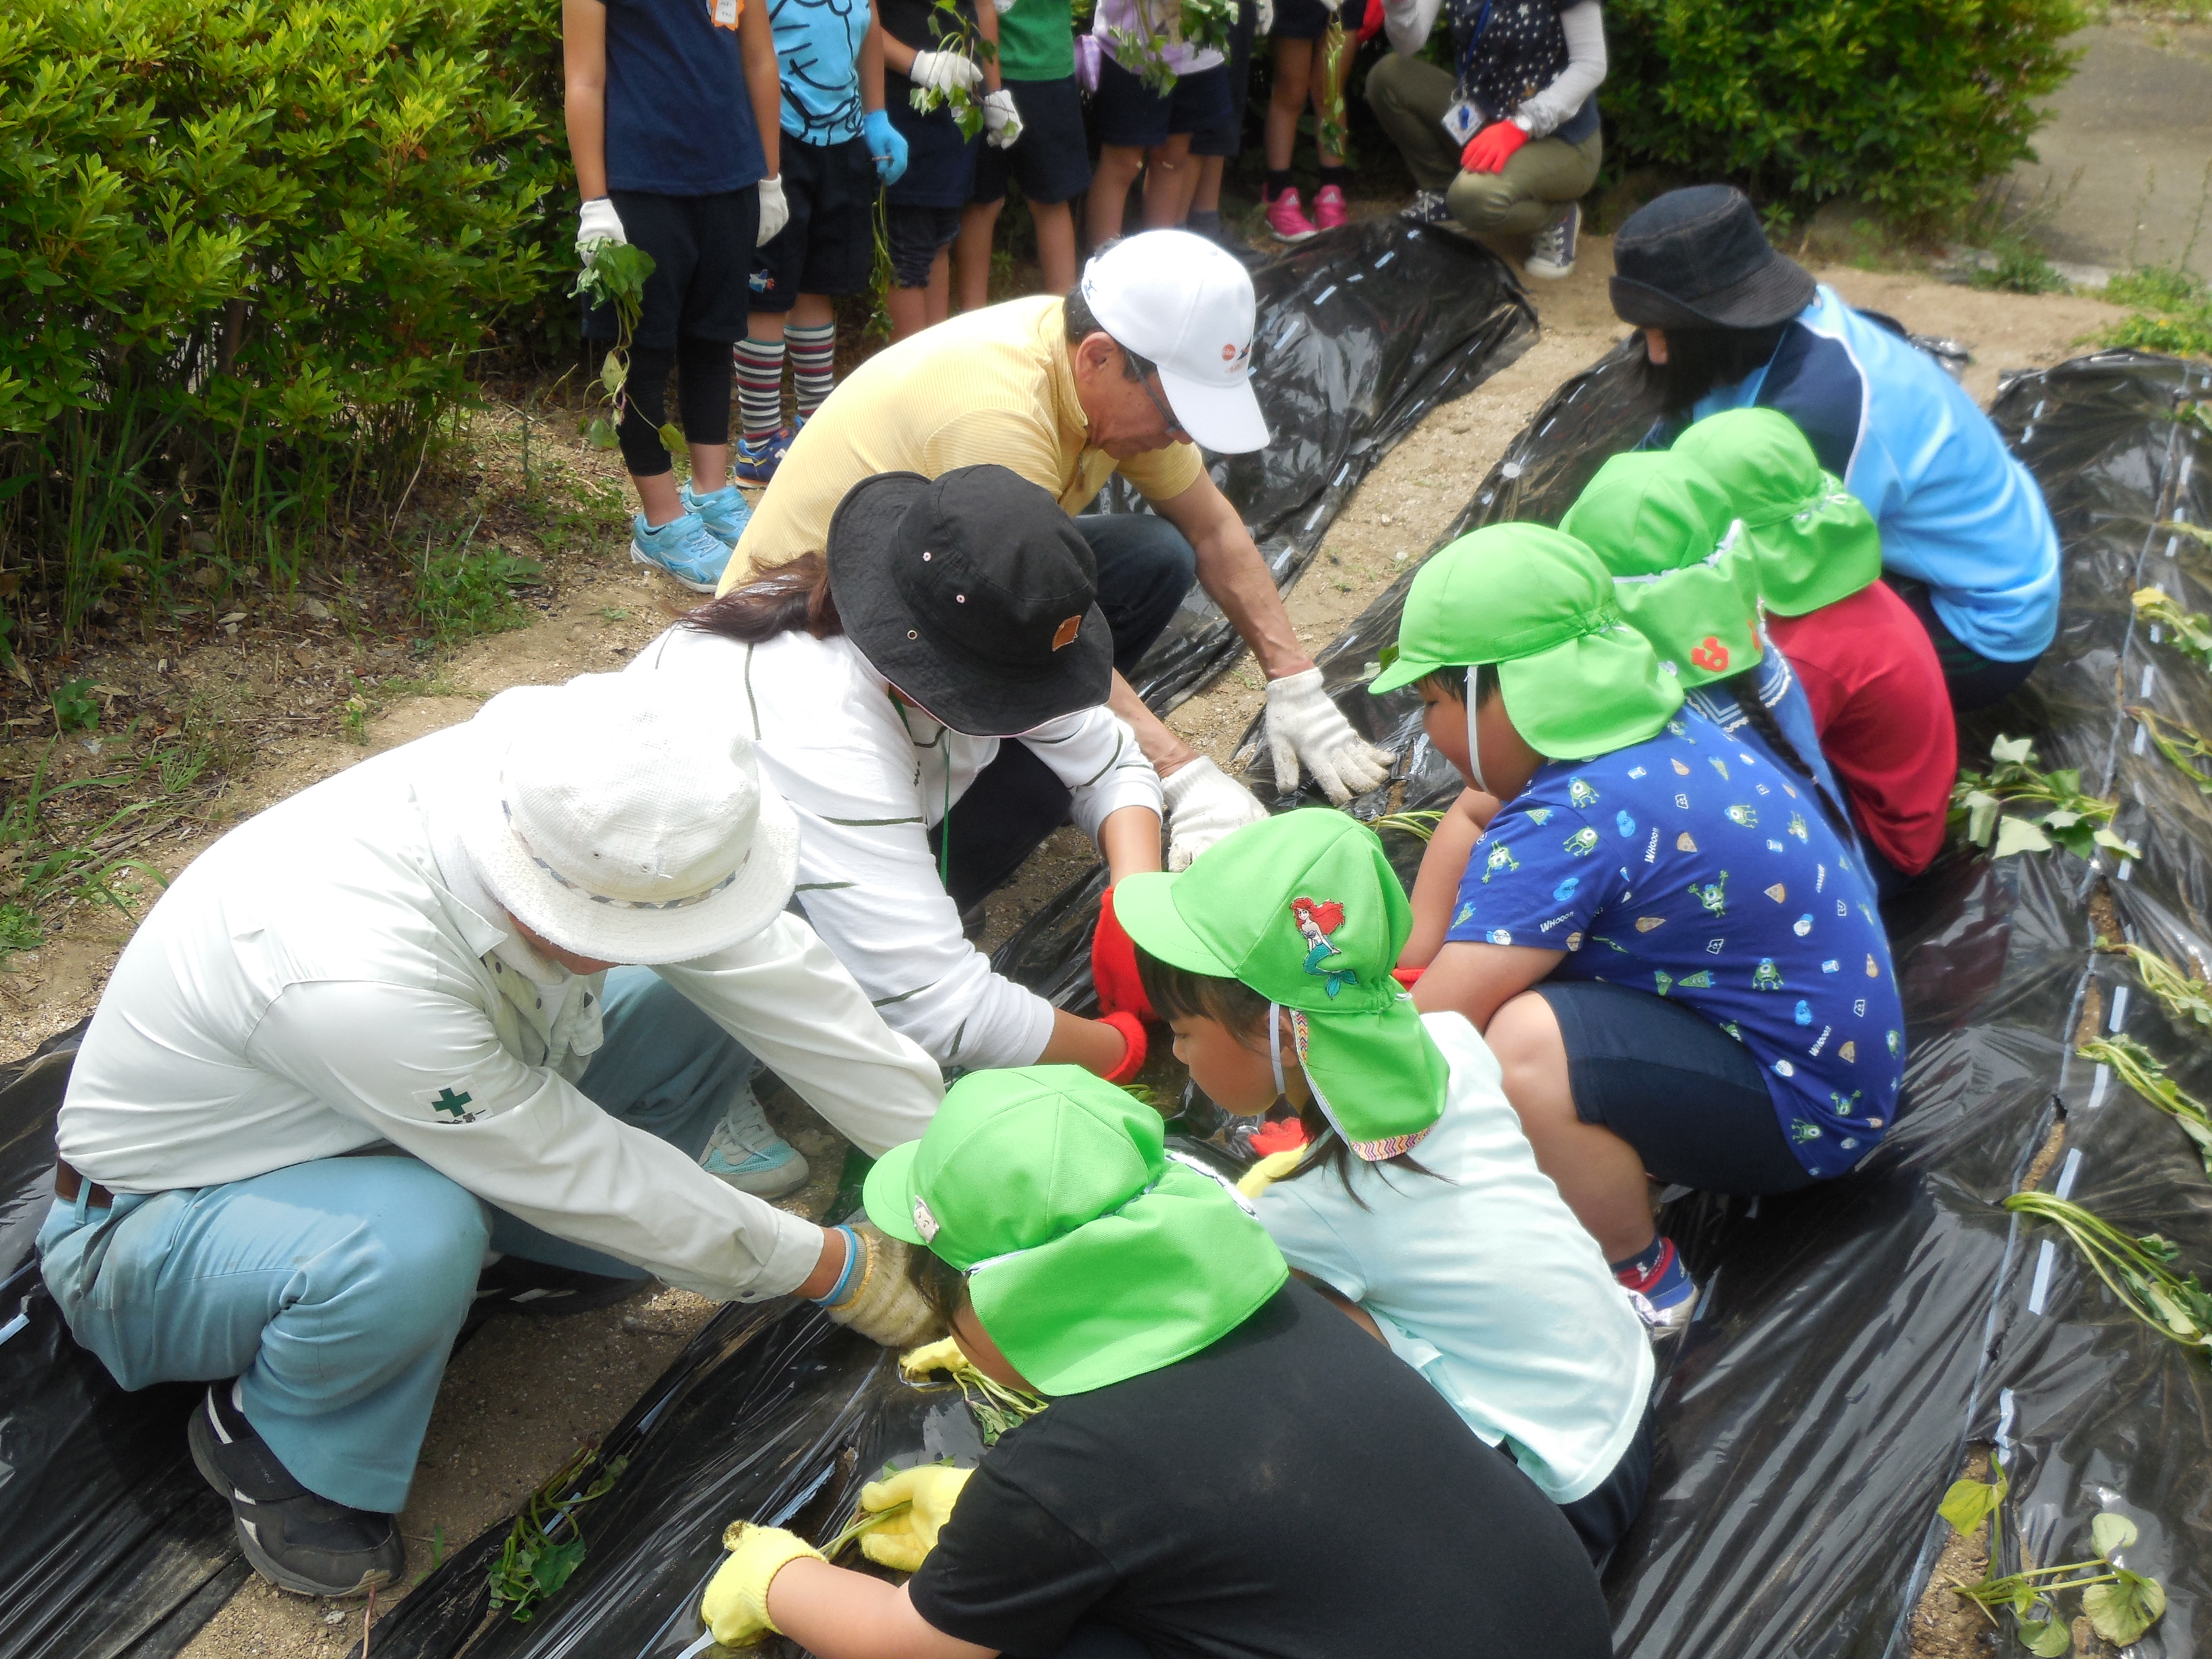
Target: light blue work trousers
336, 1287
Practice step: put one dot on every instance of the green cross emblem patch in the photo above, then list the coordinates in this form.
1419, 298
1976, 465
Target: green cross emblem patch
457, 1105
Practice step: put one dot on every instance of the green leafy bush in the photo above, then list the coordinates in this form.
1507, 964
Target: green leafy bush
1910, 104
250, 251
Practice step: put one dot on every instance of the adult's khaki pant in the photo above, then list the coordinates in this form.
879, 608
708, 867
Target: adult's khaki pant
1409, 97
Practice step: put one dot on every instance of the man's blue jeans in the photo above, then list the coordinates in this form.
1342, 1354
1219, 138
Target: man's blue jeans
336, 1287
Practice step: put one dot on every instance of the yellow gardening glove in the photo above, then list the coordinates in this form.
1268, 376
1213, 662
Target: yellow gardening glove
902, 1544
943, 1355
735, 1606
1269, 1170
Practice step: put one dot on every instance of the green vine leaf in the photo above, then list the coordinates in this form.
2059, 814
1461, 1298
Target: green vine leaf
2122, 1612
2111, 1532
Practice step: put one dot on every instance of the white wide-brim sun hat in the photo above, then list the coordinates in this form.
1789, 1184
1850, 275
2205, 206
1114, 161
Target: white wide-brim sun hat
625, 826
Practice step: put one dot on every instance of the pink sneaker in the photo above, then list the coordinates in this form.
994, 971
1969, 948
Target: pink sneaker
1329, 207
1287, 219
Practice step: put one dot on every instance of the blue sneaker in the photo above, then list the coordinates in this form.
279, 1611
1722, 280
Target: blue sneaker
749, 1155
683, 547
757, 466
1664, 1295
726, 512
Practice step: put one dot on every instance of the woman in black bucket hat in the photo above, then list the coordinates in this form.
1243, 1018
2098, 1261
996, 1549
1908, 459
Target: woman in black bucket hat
1728, 322
950, 621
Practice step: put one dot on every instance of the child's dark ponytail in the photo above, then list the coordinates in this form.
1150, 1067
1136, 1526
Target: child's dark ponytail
1744, 688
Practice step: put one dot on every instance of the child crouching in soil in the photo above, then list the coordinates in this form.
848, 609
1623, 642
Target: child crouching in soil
1417, 1199
1227, 1466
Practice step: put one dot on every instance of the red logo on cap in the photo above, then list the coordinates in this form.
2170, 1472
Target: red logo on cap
1066, 633
1710, 655
1228, 353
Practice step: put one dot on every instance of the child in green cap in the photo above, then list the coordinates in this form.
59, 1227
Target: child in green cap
1227, 1466
1417, 1198
1671, 949
1871, 675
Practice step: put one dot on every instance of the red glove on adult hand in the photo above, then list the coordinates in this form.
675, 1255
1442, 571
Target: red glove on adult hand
1113, 965
1371, 24
1489, 150
1132, 1032
1408, 977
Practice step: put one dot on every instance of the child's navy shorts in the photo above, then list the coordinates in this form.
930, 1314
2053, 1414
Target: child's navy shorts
941, 164
1225, 138
1687, 1095
829, 244
1131, 116
1299, 20
1051, 160
915, 234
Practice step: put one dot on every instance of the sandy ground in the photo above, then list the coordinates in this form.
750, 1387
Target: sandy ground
526, 1392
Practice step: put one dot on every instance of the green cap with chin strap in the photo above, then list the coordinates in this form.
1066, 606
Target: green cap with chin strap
1658, 521
1305, 909
1810, 542
1576, 679
1093, 1255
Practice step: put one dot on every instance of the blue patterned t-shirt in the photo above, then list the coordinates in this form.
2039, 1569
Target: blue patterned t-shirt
1689, 867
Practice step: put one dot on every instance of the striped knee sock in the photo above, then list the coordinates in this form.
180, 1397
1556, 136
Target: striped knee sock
760, 389
813, 364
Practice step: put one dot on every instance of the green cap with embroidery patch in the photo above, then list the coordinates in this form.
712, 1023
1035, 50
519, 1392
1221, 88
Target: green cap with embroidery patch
1658, 520
1810, 542
1093, 1254
1577, 680
1305, 909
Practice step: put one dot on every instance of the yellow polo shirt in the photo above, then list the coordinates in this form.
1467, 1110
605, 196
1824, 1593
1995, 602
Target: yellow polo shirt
987, 386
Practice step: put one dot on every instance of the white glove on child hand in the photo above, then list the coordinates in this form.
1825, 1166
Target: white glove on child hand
1265, 24
1204, 805
1002, 122
774, 211
598, 222
1304, 725
881, 1300
941, 71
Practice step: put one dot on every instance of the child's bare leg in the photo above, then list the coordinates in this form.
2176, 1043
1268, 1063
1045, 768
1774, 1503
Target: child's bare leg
1293, 85
1206, 197
940, 286
909, 310
1055, 234
971, 254
1109, 191
1168, 179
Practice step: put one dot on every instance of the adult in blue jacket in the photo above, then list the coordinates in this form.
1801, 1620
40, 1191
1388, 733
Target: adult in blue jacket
1728, 323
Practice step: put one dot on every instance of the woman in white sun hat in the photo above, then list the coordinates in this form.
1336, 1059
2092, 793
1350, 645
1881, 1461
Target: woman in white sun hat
377, 1031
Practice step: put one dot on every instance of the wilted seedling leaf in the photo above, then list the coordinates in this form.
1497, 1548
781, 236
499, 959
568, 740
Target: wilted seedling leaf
2046, 1637
2122, 1612
2111, 1532
1970, 1502
2019, 835
1982, 809
2016, 752
600, 433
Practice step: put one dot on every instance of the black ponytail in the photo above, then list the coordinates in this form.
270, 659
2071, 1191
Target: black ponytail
1744, 688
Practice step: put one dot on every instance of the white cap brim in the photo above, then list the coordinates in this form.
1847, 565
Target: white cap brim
1224, 419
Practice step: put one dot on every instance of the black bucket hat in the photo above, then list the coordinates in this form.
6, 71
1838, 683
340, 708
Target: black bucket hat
1697, 259
974, 594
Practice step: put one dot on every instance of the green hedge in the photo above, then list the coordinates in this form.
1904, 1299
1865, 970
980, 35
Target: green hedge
1910, 104
250, 251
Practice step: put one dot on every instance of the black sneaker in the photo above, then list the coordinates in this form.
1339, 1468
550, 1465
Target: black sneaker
297, 1540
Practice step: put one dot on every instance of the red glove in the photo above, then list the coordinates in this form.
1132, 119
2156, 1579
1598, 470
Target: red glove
1489, 150
1371, 24
1287, 1134
1132, 1057
1408, 977
1113, 965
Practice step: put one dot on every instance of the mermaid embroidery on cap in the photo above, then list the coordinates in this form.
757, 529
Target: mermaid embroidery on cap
1315, 921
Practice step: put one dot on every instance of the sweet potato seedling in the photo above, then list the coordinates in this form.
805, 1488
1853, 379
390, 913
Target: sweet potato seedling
2121, 1605
2140, 1069
2079, 823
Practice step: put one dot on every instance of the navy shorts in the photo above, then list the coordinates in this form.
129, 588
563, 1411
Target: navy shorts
1133, 117
1225, 138
1299, 20
829, 244
1051, 160
1687, 1095
941, 164
915, 235
703, 257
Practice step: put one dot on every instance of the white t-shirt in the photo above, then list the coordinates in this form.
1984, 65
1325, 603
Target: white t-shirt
1482, 1280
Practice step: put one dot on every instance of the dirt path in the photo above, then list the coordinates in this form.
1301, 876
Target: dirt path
525, 1394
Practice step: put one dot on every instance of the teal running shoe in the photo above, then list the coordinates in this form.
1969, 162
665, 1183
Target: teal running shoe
726, 512
683, 547
749, 1155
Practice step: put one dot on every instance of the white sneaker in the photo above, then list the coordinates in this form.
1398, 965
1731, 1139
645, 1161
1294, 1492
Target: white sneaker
1552, 254
1427, 208
749, 1155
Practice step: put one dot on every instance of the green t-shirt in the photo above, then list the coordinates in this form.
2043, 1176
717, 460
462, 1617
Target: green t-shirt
1036, 41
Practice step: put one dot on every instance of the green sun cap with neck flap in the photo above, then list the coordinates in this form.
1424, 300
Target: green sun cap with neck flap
1305, 909
1577, 680
1093, 1255
1810, 541
1658, 522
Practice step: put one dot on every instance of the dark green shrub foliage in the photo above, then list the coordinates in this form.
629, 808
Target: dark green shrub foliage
250, 249
1911, 104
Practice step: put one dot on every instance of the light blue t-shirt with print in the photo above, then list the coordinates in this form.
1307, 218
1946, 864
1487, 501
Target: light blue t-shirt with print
1957, 511
1689, 867
818, 55
1481, 1278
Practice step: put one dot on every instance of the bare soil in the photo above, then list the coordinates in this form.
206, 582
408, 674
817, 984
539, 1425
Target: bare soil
268, 691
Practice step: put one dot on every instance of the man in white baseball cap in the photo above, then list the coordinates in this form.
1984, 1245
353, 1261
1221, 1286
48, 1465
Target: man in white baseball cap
1149, 359
376, 1037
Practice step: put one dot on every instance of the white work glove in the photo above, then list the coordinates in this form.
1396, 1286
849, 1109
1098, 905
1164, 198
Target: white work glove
1304, 725
1002, 122
881, 1300
598, 222
774, 211
1266, 22
942, 71
1204, 804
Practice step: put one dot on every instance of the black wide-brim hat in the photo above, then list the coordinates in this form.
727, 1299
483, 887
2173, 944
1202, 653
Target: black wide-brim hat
1697, 259
973, 593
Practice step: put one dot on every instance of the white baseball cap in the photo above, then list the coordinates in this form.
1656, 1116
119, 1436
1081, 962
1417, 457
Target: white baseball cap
1186, 303
624, 823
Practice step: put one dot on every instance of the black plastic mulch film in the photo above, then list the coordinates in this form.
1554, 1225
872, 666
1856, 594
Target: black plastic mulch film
1855, 1339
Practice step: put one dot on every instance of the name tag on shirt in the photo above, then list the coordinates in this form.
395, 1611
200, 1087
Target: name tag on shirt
726, 13
1461, 119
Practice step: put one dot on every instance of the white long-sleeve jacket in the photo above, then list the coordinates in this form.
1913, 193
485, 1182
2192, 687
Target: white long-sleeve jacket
315, 983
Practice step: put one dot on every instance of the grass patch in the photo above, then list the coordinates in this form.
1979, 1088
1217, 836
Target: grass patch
2173, 311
